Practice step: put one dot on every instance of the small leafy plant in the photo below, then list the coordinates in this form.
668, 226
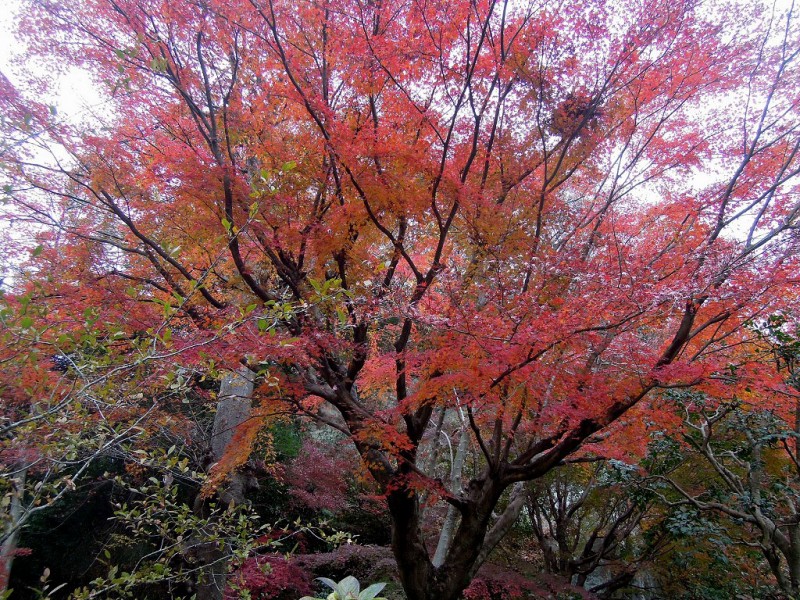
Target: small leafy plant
349, 589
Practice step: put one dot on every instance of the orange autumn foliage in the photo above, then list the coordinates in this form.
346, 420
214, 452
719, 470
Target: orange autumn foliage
538, 216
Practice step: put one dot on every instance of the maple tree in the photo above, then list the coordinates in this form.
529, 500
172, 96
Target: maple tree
537, 215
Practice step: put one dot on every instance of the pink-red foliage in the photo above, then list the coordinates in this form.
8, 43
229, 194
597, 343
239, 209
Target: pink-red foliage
497, 583
269, 577
317, 476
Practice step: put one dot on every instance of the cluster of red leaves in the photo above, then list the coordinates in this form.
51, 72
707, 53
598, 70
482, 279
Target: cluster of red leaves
481, 589
496, 583
316, 476
269, 578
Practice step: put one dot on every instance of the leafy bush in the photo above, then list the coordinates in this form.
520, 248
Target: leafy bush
268, 577
494, 582
367, 563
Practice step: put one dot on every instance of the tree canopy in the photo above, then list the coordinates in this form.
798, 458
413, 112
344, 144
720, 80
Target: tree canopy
539, 215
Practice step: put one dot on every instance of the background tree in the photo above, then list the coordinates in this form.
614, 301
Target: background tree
597, 525
88, 428
539, 215
751, 449
60, 422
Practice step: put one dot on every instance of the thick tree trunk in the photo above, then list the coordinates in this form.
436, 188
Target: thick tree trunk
793, 556
233, 409
9, 546
408, 545
420, 578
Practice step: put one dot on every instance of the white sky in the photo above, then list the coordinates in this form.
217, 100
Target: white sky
8, 11
72, 92
8, 14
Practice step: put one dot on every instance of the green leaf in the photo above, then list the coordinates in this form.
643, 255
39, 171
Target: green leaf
372, 591
349, 586
25, 322
159, 65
